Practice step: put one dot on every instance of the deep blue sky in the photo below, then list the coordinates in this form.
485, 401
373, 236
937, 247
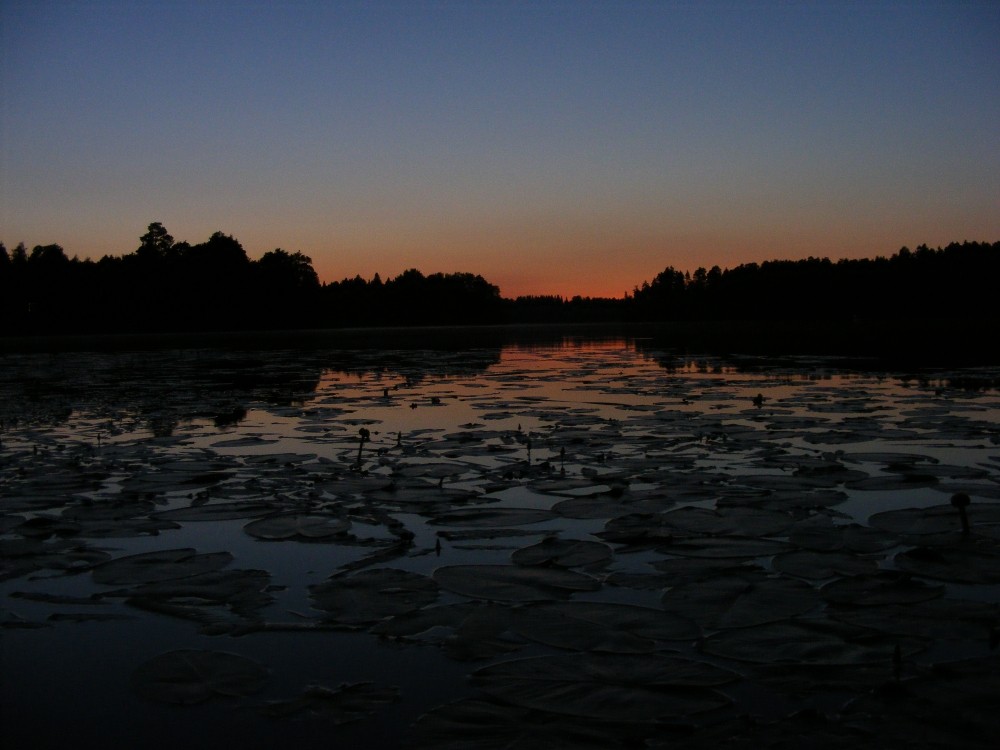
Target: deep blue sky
553, 147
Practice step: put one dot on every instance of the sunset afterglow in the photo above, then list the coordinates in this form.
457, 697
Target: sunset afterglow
567, 148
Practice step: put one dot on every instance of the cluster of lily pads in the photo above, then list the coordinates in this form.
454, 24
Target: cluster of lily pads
625, 551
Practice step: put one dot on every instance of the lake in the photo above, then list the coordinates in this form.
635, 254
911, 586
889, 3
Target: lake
574, 542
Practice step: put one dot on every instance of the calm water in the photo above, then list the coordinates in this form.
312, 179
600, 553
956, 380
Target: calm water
406, 545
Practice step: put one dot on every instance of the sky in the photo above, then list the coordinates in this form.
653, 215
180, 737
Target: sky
568, 148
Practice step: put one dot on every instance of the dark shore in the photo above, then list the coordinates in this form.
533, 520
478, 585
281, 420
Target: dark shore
933, 342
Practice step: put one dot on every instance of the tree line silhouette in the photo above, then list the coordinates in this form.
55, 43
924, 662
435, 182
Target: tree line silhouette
171, 286
957, 282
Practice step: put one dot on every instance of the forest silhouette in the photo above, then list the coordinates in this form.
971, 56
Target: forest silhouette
173, 286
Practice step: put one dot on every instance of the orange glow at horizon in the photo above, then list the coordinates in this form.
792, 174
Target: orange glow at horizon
568, 261
514, 282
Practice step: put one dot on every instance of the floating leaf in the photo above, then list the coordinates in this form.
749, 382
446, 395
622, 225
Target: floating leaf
679, 570
639, 581
808, 728
725, 547
372, 595
737, 521
937, 619
782, 483
863, 540
20, 557
251, 441
105, 511
566, 553
601, 626
970, 562
600, 506
491, 533
784, 500
492, 517
216, 512
883, 587
279, 459
740, 600
818, 566
887, 458
806, 642
639, 530
190, 676
489, 725
176, 476
306, 526
341, 705
44, 527
87, 617
926, 524
806, 681
125, 527
509, 583
612, 687
817, 533
223, 600
478, 630
951, 705
163, 565
892, 483
432, 470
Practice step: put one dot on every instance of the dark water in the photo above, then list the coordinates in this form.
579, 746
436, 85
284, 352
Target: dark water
583, 543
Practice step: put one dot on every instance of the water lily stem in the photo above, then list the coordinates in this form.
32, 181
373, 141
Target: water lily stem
961, 501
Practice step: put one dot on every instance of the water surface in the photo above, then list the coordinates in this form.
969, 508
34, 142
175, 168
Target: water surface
586, 543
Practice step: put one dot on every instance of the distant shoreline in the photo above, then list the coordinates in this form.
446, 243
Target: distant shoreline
936, 342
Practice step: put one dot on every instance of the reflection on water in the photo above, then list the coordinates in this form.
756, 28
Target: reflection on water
405, 518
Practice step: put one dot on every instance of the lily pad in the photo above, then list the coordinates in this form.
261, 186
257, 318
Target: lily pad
491, 725
103, 511
740, 600
864, 540
306, 526
163, 565
509, 583
937, 619
341, 705
893, 482
601, 626
371, 595
785, 500
600, 506
736, 521
492, 517
971, 562
611, 687
818, 566
215, 512
884, 587
251, 441
815, 642
888, 458
190, 676
221, 601
817, 533
466, 631
951, 705
565, 553
927, 525
639, 531
680, 570
725, 547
